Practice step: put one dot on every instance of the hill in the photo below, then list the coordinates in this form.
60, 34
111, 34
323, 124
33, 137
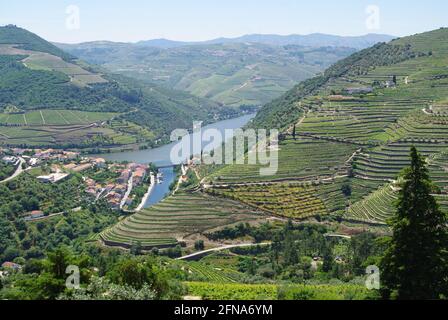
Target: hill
38, 76
231, 73
355, 125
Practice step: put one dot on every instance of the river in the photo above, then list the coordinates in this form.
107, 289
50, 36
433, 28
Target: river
161, 157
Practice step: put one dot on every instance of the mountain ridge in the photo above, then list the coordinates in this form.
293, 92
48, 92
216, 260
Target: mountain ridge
313, 39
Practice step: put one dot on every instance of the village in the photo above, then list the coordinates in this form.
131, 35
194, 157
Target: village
124, 186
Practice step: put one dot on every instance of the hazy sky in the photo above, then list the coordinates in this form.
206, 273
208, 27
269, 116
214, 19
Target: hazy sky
134, 20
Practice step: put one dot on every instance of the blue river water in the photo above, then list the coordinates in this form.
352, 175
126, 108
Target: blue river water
161, 157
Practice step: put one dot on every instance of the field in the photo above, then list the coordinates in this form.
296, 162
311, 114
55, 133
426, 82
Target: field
63, 128
213, 291
54, 118
48, 62
175, 219
199, 271
69, 128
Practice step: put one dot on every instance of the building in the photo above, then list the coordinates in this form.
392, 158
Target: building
12, 266
139, 176
124, 177
99, 162
53, 178
11, 160
33, 215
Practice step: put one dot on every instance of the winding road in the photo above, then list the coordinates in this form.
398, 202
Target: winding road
204, 253
17, 173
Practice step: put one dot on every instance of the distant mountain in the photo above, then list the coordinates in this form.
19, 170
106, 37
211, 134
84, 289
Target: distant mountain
311, 40
163, 43
35, 75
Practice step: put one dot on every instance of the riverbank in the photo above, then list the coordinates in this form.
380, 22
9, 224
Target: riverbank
147, 195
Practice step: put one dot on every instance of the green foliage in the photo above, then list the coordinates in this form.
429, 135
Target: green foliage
414, 266
210, 291
19, 238
6, 170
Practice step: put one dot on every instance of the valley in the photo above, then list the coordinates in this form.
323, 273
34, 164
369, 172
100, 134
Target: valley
87, 175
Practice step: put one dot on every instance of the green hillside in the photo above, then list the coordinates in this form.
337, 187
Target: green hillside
29, 41
234, 74
380, 101
349, 149
37, 76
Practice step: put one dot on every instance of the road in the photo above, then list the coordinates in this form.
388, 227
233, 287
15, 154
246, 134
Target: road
184, 170
203, 253
128, 191
17, 173
55, 215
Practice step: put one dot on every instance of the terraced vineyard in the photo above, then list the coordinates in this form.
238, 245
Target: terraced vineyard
302, 159
71, 128
356, 128
175, 219
286, 200
54, 117
384, 163
377, 207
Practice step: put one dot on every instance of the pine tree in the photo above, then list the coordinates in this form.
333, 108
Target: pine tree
415, 266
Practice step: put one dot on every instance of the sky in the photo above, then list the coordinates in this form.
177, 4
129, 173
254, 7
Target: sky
77, 21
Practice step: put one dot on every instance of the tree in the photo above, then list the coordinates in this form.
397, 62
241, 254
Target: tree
291, 256
294, 132
415, 264
394, 80
346, 190
199, 245
136, 248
